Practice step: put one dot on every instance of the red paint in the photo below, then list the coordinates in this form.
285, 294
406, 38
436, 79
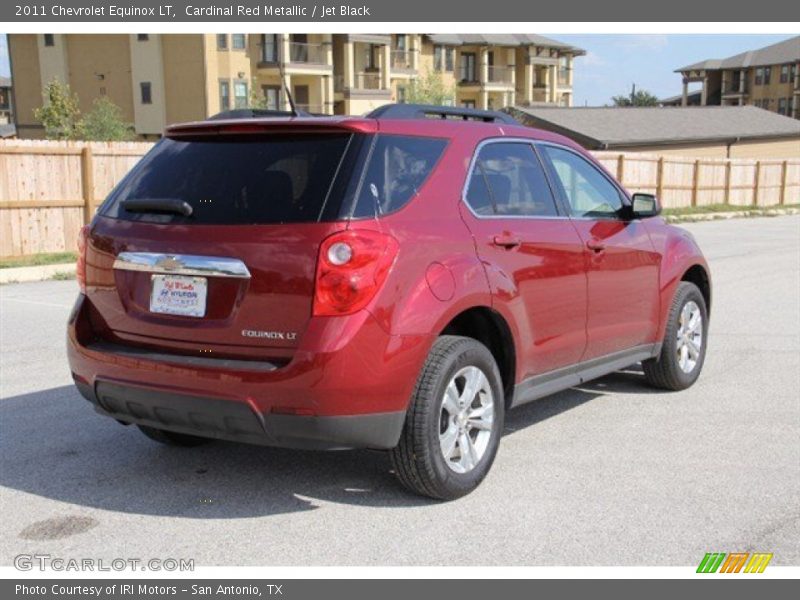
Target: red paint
568, 289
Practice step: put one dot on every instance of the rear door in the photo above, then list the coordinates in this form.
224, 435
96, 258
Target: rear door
533, 255
622, 264
232, 275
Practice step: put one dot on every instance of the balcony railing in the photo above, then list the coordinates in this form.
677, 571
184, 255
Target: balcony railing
499, 75
401, 59
361, 81
301, 52
732, 87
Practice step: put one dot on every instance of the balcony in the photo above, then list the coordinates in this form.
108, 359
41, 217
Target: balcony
306, 53
363, 81
563, 77
733, 89
401, 60
503, 76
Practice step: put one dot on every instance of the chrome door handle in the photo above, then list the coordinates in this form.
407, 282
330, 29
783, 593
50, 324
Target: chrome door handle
506, 241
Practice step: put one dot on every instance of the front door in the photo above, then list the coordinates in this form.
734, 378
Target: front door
533, 255
622, 264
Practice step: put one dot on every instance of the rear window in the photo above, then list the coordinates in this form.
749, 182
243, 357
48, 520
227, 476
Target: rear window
236, 180
398, 167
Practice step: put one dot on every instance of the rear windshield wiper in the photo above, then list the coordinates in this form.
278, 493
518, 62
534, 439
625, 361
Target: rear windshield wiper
158, 205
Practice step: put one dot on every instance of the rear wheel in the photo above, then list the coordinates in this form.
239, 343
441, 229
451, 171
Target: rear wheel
172, 438
684, 348
454, 422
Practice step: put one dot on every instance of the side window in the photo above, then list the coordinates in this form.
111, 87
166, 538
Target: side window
508, 180
589, 193
398, 167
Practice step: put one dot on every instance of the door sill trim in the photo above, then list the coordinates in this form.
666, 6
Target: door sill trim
561, 379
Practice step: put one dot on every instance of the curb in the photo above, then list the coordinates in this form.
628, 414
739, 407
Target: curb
37, 273
734, 214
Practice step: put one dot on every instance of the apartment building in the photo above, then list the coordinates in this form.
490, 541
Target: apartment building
167, 78
768, 78
6, 104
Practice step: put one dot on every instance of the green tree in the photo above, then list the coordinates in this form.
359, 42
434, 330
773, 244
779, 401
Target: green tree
257, 100
638, 98
430, 89
104, 123
60, 112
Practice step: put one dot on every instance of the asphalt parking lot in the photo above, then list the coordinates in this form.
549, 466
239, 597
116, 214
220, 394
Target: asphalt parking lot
611, 473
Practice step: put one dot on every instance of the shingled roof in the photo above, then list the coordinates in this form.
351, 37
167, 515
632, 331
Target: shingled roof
598, 128
502, 39
783, 52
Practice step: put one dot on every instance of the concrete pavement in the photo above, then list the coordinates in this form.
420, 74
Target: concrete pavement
612, 473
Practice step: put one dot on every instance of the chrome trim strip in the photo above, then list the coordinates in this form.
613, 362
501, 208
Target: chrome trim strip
182, 264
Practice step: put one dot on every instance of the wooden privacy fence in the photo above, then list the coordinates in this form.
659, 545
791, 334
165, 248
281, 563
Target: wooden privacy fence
686, 181
49, 189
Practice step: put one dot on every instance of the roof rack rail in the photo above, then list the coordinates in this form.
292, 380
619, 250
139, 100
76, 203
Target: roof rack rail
255, 113
430, 111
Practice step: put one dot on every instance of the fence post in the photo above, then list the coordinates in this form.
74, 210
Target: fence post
620, 168
87, 183
695, 181
728, 181
660, 178
756, 183
784, 168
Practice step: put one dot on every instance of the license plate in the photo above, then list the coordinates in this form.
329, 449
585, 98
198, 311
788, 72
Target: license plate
178, 295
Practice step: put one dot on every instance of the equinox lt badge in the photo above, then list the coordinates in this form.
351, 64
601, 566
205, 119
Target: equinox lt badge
269, 335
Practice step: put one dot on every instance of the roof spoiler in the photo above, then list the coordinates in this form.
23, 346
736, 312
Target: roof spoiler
430, 111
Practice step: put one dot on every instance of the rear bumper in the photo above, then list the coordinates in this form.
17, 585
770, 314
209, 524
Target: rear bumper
240, 422
347, 386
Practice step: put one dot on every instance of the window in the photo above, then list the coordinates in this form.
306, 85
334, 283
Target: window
142, 37
759, 76
240, 94
224, 95
449, 59
222, 41
272, 96
793, 73
783, 105
147, 92
438, 58
468, 67
239, 41
401, 94
508, 180
784, 73
468, 103
588, 192
767, 73
398, 167
49, 39
249, 180
269, 48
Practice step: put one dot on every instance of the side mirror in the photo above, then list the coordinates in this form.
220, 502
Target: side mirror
644, 206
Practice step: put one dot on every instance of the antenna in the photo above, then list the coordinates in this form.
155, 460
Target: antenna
289, 97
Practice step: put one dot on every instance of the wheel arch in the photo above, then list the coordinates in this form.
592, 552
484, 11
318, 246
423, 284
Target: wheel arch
489, 327
698, 275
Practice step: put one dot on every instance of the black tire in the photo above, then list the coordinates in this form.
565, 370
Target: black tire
172, 438
664, 371
418, 459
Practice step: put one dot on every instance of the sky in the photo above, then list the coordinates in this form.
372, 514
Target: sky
614, 62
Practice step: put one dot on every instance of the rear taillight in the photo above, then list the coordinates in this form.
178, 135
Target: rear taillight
80, 267
352, 267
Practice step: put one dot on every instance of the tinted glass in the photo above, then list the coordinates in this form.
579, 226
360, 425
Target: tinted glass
588, 192
398, 167
235, 180
508, 180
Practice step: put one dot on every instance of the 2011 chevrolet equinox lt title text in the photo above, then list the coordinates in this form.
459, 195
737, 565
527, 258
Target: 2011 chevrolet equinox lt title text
396, 281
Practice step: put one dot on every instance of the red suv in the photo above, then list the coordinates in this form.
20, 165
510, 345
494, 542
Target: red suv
395, 281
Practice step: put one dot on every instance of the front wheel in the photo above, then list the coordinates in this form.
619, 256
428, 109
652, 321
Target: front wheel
454, 422
685, 339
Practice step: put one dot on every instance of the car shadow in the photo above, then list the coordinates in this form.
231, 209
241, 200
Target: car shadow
53, 445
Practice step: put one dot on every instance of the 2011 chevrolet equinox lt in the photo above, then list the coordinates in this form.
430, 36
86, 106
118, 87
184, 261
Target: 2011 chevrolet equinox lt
396, 281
